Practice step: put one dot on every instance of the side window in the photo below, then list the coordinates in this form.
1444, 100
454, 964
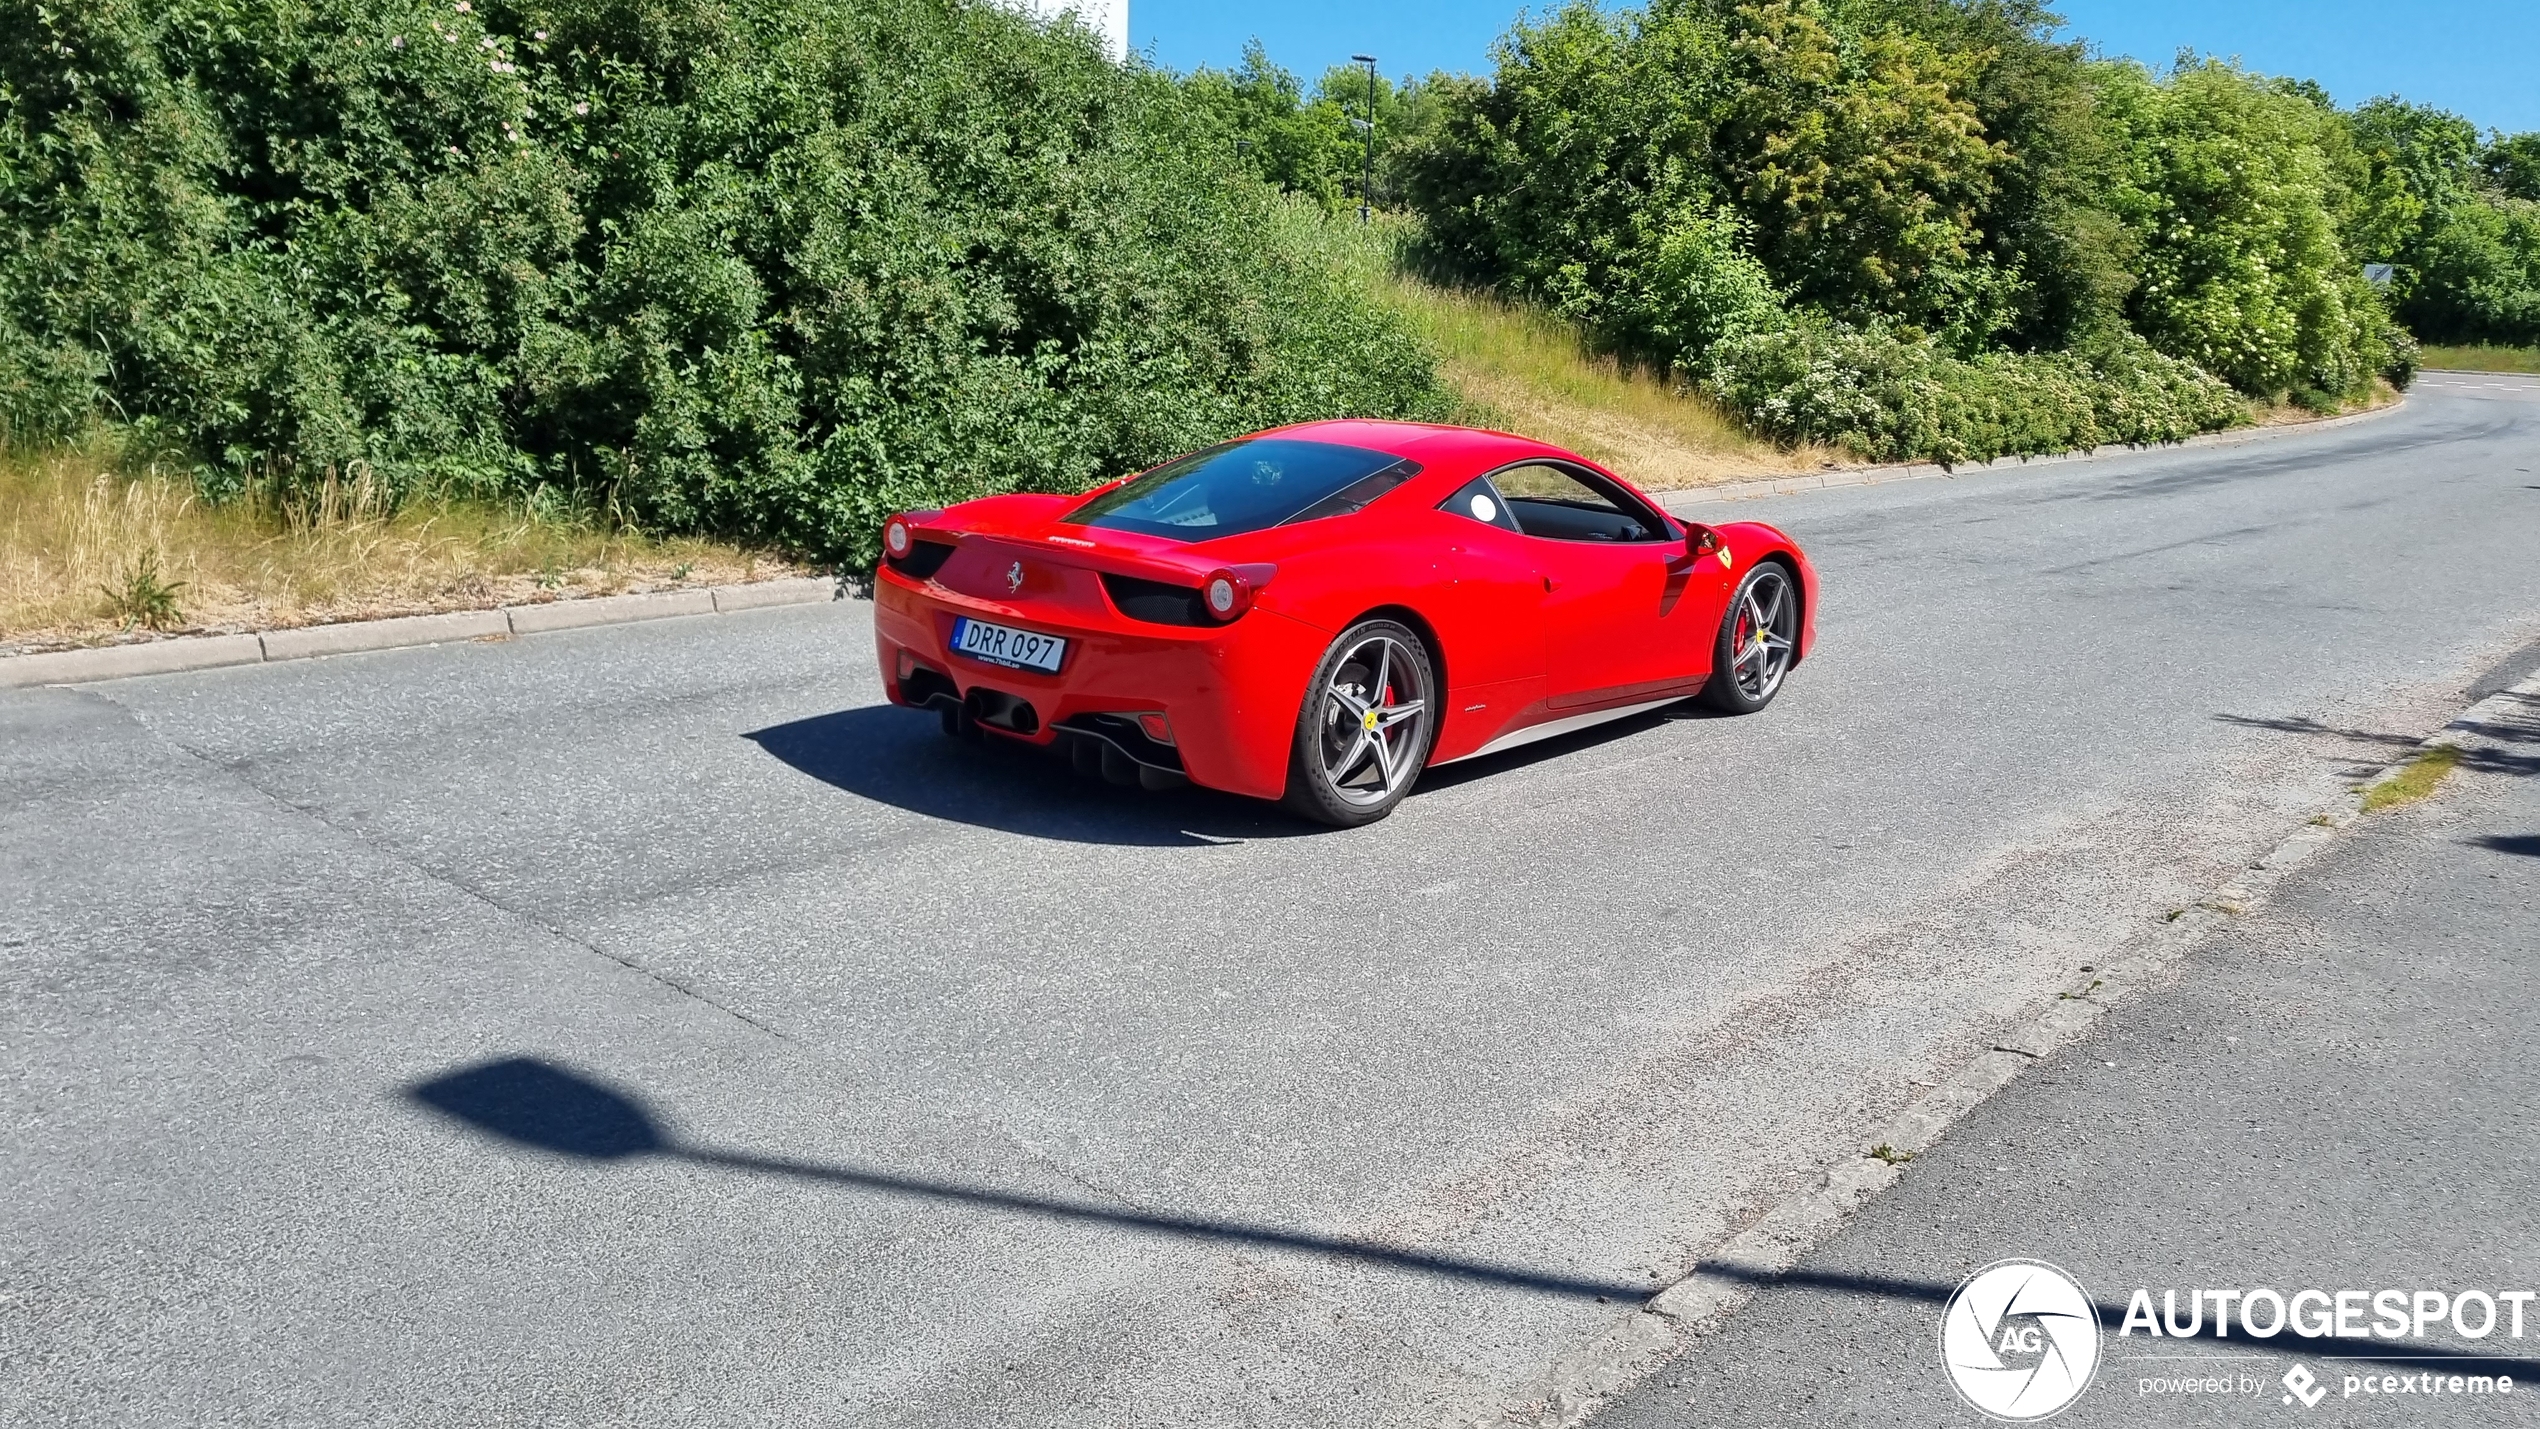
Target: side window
1550, 501
1356, 495
1481, 501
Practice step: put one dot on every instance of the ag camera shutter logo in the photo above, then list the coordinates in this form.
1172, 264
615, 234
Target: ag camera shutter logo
2020, 1340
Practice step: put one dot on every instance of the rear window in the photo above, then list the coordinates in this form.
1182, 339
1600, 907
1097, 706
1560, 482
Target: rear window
1246, 486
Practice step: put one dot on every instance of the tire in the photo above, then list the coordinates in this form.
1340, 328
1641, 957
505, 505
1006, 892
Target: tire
1758, 639
1366, 727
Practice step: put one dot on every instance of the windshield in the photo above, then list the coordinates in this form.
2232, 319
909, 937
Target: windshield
1244, 486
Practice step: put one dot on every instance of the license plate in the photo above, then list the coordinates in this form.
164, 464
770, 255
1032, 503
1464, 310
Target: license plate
1005, 645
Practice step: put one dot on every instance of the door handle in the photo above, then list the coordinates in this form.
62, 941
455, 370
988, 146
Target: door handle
1550, 585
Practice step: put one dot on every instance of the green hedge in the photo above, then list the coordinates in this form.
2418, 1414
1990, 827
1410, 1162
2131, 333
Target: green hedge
768, 268
1928, 229
1898, 399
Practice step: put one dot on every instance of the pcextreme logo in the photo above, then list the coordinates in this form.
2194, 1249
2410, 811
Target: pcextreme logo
2020, 1340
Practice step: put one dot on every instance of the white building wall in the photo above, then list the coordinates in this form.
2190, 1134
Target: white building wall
1107, 18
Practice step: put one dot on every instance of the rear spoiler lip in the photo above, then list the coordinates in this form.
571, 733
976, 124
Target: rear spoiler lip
1170, 564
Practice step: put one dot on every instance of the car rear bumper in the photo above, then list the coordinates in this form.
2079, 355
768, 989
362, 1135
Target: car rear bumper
1228, 694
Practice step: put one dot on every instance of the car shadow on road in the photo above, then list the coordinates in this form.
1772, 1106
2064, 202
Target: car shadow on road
528, 1101
900, 757
1466, 771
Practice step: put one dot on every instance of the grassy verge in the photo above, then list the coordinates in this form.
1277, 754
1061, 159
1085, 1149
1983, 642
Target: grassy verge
92, 550
2484, 359
1523, 370
2416, 779
1518, 368
2285, 414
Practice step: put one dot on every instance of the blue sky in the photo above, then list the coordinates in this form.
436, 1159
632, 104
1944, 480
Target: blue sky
2480, 58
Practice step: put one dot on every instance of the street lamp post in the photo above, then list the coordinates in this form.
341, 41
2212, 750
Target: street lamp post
1367, 170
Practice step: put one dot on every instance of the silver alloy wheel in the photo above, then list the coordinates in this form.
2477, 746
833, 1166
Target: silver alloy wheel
1765, 635
1375, 720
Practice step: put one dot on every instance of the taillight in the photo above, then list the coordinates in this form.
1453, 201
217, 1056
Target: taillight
1225, 595
895, 536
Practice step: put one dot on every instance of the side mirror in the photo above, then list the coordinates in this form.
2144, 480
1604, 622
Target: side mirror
1700, 540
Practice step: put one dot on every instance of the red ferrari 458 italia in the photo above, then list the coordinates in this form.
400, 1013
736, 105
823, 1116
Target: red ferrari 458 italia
1317, 613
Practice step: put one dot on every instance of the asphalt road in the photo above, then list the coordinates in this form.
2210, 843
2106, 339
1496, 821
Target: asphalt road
2334, 1094
644, 1025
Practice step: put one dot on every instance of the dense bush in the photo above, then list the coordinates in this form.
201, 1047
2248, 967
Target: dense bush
1946, 212
768, 267
2232, 187
2457, 218
1922, 163
1692, 284
1556, 180
2475, 274
1908, 167
1899, 398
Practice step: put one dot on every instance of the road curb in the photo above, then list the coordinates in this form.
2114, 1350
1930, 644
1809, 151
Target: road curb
1574, 1387
1679, 500
607, 610
203, 652
307, 641
114, 662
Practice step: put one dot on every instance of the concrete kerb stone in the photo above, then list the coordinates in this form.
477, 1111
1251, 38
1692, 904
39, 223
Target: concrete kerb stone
203, 652
1689, 497
1575, 1386
607, 610
800, 590
114, 662
353, 635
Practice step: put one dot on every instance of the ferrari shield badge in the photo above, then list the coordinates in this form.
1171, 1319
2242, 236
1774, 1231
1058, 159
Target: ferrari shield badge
1723, 553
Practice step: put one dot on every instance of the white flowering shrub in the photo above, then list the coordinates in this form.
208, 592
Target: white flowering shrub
1899, 398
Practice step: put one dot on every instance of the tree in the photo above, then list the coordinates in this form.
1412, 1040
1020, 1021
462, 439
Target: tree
1862, 166
2444, 210
1308, 142
771, 270
2232, 195
2512, 163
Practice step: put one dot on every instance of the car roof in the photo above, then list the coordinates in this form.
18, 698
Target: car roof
1431, 443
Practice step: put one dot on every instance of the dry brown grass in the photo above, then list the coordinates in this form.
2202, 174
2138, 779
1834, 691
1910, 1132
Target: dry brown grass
84, 541
2287, 414
1525, 371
